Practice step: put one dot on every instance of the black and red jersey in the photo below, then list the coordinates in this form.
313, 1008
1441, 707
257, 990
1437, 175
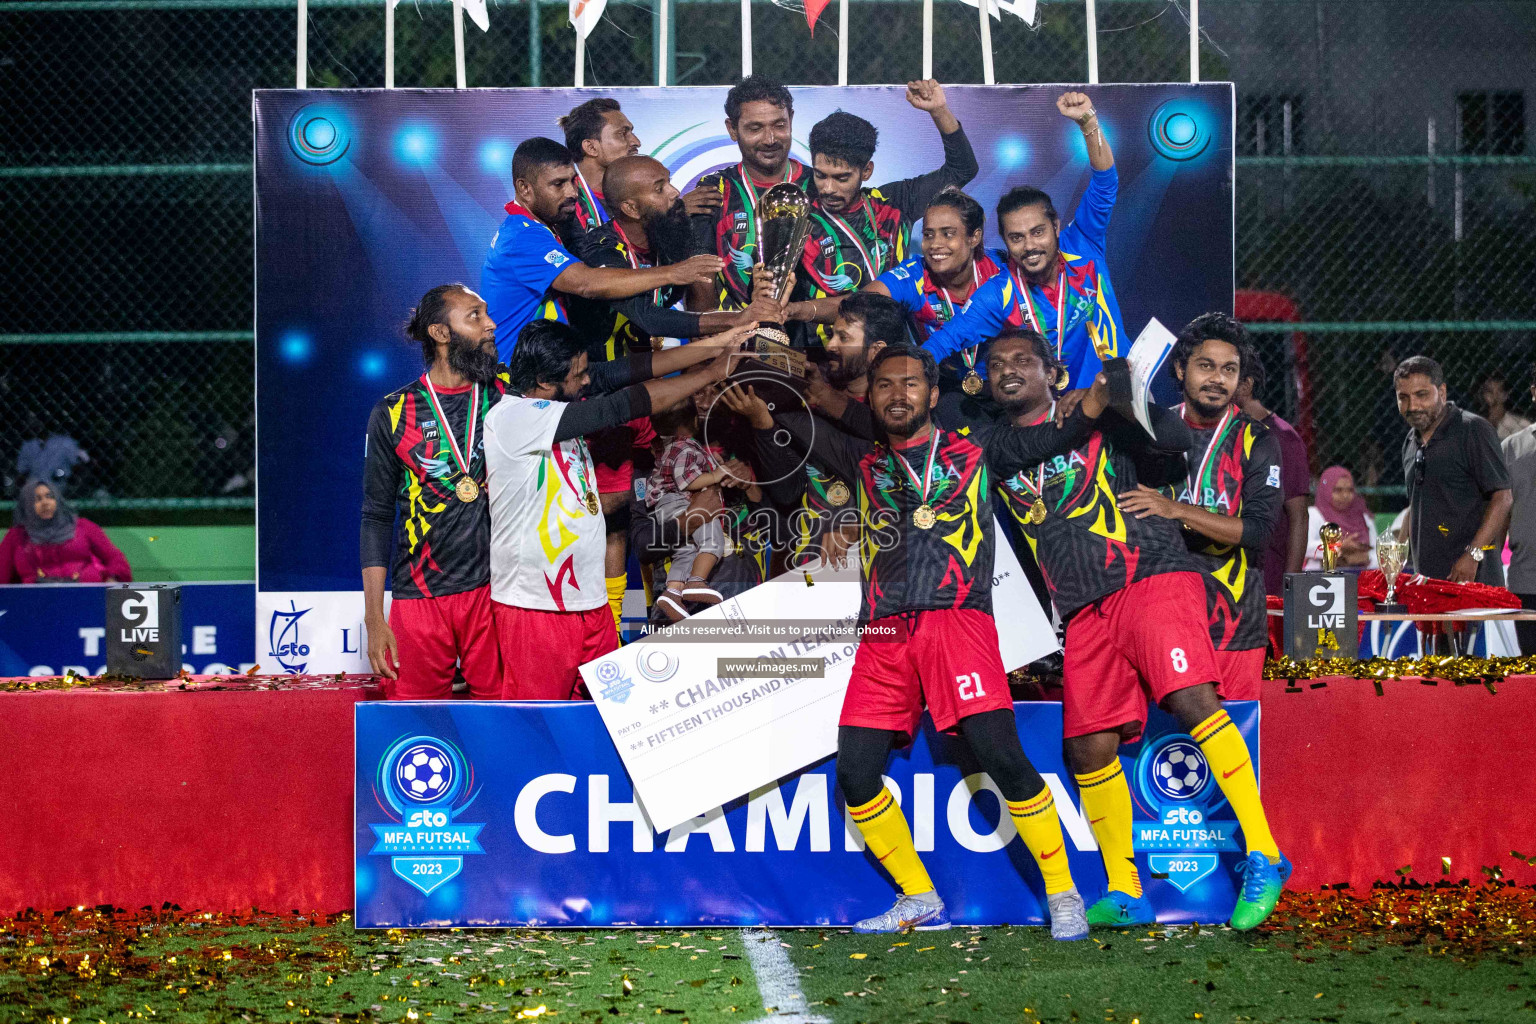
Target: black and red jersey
615, 329
1234, 470
736, 227
1085, 546
439, 544
905, 567
848, 251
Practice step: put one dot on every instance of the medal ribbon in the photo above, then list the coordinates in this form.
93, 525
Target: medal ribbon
1061, 306
595, 211
853, 236
967, 355
1038, 488
933, 451
474, 417
583, 459
752, 198
1206, 460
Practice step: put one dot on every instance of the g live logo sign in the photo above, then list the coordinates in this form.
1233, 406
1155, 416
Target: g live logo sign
1322, 615
141, 608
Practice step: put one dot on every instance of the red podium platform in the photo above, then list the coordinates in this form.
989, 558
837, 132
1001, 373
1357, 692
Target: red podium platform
240, 796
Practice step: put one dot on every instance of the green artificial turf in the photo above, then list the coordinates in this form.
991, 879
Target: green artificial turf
1324, 965
1217, 976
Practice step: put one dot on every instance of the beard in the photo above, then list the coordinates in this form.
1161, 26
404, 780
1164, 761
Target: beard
917, 421
1205, 408
846, 370
1025, 398
470, 359
671, 235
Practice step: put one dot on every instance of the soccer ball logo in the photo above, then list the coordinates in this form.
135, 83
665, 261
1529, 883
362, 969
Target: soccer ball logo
425, 773
1180, 771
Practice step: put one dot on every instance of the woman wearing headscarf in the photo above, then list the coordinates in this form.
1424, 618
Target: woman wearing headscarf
50, 543
1337, 501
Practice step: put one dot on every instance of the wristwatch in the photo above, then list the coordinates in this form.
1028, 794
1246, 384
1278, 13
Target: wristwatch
1476, 552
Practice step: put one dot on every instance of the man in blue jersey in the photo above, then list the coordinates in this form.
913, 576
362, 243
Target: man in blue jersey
528, 265
1055, 275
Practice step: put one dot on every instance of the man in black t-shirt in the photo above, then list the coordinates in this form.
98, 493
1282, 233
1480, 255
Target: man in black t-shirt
1458, 488
424, 457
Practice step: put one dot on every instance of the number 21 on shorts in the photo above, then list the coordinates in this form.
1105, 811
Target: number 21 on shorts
970, 685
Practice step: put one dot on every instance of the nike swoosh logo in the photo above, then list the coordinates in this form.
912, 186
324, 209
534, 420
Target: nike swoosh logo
1095, 821
1234, 771
1048, 856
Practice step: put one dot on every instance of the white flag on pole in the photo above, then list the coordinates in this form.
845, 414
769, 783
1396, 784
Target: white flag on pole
1023, 9
474, 8
585, 14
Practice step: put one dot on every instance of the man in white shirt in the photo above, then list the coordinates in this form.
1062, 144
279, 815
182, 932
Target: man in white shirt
549, 604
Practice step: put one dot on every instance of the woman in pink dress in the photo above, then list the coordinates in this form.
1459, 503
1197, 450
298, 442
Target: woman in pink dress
50, 543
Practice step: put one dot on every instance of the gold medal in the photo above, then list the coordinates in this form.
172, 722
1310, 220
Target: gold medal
466, 489
1037, 512
1063, 378
592, 506
838, 494
971, 385
923, 517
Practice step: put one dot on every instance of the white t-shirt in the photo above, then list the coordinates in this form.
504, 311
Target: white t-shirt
546, 548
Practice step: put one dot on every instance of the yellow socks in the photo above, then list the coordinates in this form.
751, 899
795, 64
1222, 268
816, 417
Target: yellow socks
1227, 755
1040, 829
1107, 804
886, 834
616, 585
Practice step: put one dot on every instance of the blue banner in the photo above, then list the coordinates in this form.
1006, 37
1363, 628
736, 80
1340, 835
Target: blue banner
503, 814
51, 629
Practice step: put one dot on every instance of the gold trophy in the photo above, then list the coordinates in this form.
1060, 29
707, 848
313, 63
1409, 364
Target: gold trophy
1332, 535
1391, 554
783, 223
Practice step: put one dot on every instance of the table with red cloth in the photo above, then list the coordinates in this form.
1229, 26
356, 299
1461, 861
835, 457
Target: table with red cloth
210, 793
229, 794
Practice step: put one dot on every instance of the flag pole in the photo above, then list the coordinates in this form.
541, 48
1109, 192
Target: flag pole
1194, 40
927, 39
389, 44
581, 58
746, 38
1093, 44
458, 44
842, 42
662, 11
986, 43
301, 57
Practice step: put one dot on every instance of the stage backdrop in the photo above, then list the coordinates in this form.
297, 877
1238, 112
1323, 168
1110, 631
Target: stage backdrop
490, 814
365, 199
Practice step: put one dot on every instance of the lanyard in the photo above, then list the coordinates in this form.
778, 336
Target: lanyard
852, 235
583, 459
629, 247
1036, 488
1061, 306
474, 416
594, 208
746, 178
968, 355
1198, 480
933, 451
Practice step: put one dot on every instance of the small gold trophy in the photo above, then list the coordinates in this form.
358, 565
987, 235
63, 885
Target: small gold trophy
1332, 535
1391, 554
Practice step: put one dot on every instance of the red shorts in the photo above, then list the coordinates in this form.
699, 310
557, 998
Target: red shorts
946, 659
1140, 643
541, 651
1242, 674
613, 458
433, 634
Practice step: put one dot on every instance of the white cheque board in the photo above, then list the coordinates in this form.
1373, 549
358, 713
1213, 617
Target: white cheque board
693, 739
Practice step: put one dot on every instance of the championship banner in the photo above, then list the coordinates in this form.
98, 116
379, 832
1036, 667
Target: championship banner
367, 198
673, 703
495, 814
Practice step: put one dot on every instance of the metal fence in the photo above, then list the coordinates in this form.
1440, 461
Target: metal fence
1385, 194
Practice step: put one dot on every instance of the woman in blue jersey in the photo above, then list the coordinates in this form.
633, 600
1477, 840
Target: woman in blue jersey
936, 285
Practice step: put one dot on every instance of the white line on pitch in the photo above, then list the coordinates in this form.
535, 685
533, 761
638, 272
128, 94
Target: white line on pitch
778, 980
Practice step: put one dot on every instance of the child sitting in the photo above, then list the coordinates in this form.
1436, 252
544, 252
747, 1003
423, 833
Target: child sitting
683, 468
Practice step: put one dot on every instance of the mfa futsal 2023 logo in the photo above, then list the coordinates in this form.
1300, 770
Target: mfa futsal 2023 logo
1182, 820
424, 783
